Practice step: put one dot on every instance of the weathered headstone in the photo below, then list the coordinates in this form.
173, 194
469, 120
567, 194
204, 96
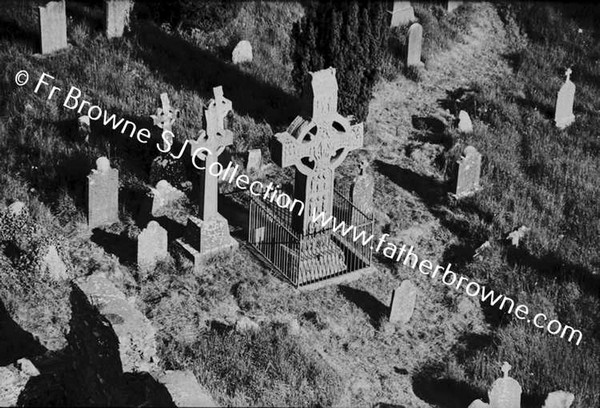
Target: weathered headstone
53, 26
83, 128
17, 208
316, 148
209, 234
362, 189
564, 103
166, 115
402, 13
403, 302
453, 5
506, 391
242, 52
185, 389
152, 246
163, 195
414, 43
464, 122
559, 399
469, 172
478, 404
116, 13
53, 265
254, 160
103, 195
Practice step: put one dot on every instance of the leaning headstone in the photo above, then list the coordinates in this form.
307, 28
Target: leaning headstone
469, 172
453, 5
116, 13
83, 128
506, 391
53, 265
16, 208
242, 52
163, 195
464, 122
152, 246
402, 13
103, 195
559, 399
414, 43
403, 302
53, 26
362, 190
254, 160
563, 116
185, 389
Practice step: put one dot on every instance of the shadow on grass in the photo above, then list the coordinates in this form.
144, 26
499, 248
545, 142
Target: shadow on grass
366, 302
443, 392
120, 245
430, 190
15, 343
186, 66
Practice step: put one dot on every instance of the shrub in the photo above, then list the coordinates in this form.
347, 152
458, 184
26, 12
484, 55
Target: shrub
203, 15
351, 37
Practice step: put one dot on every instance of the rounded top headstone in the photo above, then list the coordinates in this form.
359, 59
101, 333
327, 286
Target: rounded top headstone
242, 52
85, 119
153, 225
103, 164
470, 150
559, 399
163, 185
16, 208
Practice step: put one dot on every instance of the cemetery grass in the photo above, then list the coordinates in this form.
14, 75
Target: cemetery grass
539, 176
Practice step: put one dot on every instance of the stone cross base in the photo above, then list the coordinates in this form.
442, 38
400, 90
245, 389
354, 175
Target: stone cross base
320, 258
206, 238
564, 122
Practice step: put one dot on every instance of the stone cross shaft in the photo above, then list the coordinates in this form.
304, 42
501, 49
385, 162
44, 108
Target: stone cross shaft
209, 145
316, 148
165, 116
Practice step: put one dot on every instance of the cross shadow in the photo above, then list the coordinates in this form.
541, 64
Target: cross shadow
367, 302
120, 245
430, 190
186, 66
15, 343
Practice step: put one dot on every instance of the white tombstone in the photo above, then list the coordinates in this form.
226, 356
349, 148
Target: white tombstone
464, 122
403, 302
242, 52
559, 399
506, 391
254, 160
53, 26
414, 44
152, 246
116, 14
563, 116
453, 5
402, 13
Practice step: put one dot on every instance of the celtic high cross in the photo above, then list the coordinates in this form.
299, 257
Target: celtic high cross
316, 148
213, 140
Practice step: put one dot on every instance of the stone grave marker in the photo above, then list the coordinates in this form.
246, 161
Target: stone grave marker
242, 52
469, 171
53, 26
478, 404
166, 115
163, 195
152, 246
316, 148
453, 5
414, 43
83, 128
116, 13
563, 116
17, 208
103, 194
506, 391
403, 302
517, 235
209, 234
402, 13
465, 125
53, 265
559, 399
362, 189
254, 160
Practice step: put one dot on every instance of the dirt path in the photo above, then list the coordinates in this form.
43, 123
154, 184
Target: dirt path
380, 368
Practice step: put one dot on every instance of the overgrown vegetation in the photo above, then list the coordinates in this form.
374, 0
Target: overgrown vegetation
350, 36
